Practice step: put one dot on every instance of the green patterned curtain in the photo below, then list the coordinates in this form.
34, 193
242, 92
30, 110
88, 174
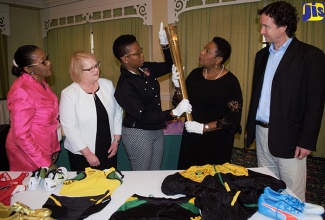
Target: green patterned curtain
4, 78
104, 35
237, 24
60, 44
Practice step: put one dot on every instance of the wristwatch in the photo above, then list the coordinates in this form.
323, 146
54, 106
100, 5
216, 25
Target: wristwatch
118, 141
206, 127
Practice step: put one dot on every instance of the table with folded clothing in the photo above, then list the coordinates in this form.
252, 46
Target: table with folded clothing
172, 143
143, 183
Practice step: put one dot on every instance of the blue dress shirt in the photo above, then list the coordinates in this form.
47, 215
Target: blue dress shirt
263, 111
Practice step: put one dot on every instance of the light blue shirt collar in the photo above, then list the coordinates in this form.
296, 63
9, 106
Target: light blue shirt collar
283, 46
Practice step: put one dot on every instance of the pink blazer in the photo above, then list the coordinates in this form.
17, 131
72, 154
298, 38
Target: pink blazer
32, 138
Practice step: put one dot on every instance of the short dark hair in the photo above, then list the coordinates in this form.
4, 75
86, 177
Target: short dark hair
224, 48
120, 44
22, 58
284, 14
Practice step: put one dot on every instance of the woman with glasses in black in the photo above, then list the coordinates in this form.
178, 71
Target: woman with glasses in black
32, 141
138, 93
90, 116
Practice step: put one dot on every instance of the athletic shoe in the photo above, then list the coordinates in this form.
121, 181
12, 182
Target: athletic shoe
306, 208
37, 176
55, 177
280, 210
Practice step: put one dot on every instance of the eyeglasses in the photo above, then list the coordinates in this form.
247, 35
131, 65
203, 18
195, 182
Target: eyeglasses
135, 54
92, 69
44, 62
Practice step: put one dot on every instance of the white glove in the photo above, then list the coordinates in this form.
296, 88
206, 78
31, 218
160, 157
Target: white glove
162, 35
175, 76
194, 127
183, 106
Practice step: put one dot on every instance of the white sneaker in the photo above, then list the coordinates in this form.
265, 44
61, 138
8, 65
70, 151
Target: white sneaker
54, 178
36, 177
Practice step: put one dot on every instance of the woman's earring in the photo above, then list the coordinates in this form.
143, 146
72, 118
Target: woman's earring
31, 73
216, 66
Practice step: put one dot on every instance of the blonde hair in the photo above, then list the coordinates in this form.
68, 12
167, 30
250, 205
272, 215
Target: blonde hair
76, 62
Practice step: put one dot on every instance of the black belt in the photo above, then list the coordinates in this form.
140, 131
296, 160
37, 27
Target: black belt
263, 124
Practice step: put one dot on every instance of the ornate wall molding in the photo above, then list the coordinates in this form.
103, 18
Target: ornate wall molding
4, 19
176, 7
94, 11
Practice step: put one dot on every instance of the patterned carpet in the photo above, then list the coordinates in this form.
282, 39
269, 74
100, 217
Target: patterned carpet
315, 192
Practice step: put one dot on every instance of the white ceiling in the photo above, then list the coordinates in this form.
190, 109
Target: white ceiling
38, 3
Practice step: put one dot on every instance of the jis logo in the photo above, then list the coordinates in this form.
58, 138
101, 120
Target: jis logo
313, 11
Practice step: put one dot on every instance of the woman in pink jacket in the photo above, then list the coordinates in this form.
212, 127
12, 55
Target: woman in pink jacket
32, 141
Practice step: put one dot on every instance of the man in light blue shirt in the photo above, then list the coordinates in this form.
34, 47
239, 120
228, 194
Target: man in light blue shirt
288, 96
263, 111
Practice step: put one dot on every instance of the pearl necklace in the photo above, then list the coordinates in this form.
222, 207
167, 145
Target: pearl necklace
206, 72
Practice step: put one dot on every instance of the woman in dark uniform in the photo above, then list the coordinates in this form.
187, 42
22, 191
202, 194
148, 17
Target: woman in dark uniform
216, 98
138, 93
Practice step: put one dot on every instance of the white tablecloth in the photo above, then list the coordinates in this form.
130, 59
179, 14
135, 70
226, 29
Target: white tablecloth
144, 183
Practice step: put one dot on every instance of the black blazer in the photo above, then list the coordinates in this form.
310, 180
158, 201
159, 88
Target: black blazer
297, 99
139, 96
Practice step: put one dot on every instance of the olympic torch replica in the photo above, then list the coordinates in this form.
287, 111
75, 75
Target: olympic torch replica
172, 35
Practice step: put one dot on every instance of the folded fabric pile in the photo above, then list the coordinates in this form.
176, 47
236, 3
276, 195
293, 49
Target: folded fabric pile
280, 205
139, 207
223, 191
87, 193
19, 211
10, 186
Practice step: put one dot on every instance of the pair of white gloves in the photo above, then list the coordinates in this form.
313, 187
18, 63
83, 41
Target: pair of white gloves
184, 105
191, 126
164, 41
